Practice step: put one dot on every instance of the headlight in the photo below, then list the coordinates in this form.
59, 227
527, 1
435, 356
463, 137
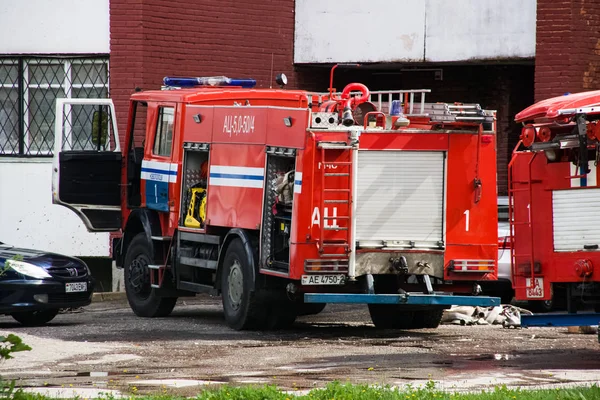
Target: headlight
25, 268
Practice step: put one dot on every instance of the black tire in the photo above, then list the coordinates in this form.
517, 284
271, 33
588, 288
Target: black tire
506, 297
142, 298
241, 305
390, 316
281, 317
429, 319
540, 306
35, 318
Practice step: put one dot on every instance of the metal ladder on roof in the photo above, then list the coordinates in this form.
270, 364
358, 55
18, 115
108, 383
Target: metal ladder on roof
511, 216
415, 105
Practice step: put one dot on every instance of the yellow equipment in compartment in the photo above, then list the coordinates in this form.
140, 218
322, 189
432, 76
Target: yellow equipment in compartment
196, 212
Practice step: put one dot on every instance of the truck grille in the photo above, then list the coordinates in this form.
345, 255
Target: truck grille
70, 270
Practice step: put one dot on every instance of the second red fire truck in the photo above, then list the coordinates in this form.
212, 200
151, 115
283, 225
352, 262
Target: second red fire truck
284, 200
554, 196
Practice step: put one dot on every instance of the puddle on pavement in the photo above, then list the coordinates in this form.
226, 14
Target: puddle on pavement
497, 357
99, 374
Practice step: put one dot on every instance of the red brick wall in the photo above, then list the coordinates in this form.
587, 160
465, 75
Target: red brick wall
567, 47
126, 54
152, 38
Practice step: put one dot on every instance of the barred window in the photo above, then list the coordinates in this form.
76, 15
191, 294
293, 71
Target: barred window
29, 87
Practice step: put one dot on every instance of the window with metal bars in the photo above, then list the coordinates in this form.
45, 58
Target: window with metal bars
29, 87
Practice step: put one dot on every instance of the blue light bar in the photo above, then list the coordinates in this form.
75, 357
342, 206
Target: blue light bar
208, 81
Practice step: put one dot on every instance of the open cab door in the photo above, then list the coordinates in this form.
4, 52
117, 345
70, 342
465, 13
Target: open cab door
86, 169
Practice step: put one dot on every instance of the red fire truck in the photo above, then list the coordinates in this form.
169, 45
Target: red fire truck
554, 193
283, 200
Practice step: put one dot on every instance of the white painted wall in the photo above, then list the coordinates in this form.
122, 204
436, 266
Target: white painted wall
27, 216
413, 30
54, 26
29, 219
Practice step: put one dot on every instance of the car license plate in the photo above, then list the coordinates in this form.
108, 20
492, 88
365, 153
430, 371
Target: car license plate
322, 279
76, 287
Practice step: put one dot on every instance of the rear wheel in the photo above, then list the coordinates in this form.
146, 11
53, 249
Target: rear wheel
282, 315
142, 298
242, 308
35, 318
428, 318
390, 316
540, 306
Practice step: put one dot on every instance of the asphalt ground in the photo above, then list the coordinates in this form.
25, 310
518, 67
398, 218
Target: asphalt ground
106, 346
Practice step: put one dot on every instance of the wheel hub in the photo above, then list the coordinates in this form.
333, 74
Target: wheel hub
139, 276
235, 285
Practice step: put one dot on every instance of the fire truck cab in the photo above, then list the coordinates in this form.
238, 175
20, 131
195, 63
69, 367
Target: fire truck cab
284, 200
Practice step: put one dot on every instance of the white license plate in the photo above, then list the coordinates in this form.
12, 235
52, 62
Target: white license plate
535, 289
76, 287
322, 279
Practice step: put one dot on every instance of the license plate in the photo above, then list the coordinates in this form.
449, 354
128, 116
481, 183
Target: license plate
535, 289
322, 279
76, 287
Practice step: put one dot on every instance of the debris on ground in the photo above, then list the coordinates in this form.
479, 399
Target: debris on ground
507, 315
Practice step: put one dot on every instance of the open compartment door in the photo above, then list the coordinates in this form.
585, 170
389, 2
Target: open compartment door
86, 173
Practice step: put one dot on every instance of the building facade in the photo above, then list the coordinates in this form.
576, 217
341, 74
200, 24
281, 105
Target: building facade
48, 50
502, 56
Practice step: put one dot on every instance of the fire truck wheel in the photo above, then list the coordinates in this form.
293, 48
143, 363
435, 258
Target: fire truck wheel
390, 316
281, 316
241, 306
540, 306
428, 318
142, 298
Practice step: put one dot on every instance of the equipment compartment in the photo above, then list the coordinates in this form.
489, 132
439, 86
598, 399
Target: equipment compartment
278, 205
194, 187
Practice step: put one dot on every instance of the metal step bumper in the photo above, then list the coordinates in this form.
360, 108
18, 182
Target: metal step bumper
564, 319
408, 298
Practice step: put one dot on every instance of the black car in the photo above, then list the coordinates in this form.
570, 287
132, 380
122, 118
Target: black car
35, 285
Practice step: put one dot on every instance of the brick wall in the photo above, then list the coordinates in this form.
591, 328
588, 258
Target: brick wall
567, 47
126, 54
152, 38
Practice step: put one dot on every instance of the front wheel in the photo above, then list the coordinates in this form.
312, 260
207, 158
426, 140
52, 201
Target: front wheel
241, 305
142, 298
35, 318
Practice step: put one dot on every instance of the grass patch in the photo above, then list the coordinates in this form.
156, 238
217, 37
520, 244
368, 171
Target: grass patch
339, 391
